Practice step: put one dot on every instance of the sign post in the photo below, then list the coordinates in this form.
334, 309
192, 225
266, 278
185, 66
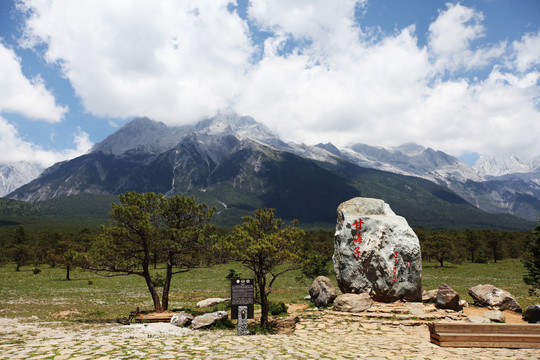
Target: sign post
242, 301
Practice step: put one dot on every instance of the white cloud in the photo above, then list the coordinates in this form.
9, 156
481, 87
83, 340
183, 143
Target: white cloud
170, 60
527, 51
13, 148
18, 94
451, 37
180, 61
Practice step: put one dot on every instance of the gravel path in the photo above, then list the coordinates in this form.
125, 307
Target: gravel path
327, 336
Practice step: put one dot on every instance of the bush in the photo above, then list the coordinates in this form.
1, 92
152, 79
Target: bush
278, 308
36, 271
481, 257
233, 274
159, 280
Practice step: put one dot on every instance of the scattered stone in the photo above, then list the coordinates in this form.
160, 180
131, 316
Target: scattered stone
211, 302
416, 309
477, 319
353, 302
208, 319
322, 292
463, 303
495, 316
533, 313
384, 260
308, 297
489, 295
182, 319
447, 298
429, 295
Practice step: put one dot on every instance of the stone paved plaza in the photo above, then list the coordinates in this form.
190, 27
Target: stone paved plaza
316, 336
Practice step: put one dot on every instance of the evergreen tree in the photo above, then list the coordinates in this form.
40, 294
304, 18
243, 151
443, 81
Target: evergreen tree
532, 262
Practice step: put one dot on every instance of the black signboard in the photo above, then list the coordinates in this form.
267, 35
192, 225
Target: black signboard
242, 295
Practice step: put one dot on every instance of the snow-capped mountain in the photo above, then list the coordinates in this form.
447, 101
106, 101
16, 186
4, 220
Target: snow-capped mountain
16, 174
509, 185
504, 165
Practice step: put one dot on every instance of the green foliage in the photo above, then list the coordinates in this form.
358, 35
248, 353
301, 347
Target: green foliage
480, 257
147, 227
442, 247
262, 243
532, 262
36, 271
233, 274
277, 308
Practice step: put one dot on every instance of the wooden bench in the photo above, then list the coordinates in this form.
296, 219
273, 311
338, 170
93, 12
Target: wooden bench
485, 335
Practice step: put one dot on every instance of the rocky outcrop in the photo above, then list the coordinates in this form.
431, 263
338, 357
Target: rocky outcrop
322, 292
376, 252
208, 319
447, 298
211, 302
489, 295
353, 302
533, 313
182, 319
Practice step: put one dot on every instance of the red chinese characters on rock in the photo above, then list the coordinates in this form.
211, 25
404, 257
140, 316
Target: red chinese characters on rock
395, 266
357, 238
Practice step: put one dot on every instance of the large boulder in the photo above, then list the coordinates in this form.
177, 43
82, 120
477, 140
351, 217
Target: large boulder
376, 252
489, 295
182, 319
353, 302
447, 298
208, 319
211, 302
322, 292
533, 313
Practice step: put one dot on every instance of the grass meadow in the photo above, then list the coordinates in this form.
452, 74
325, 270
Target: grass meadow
91, 297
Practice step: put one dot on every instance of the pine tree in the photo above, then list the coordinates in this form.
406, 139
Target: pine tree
532, 262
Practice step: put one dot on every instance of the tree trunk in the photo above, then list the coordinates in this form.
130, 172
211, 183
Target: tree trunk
67, 273
441, 261
167, 284
261, 281
152, 289
18, 267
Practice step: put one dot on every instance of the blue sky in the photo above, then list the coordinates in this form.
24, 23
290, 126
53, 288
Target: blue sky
461, 77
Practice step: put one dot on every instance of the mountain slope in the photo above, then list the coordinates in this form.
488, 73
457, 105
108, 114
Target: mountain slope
230, 164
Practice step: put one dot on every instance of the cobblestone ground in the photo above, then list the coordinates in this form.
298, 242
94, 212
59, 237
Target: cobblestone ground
315, 337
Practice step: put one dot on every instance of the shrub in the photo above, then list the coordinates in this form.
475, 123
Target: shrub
277, 308
36, 271
233, 274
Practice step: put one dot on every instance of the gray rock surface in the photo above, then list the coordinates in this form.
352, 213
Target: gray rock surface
495, 316
429, 295
376, 252
477, 319
489, 295
447, 298
211, 302
322, 292
182, 319
353, 302
208, 319
533, 313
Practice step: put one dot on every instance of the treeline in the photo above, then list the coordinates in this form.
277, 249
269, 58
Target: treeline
479, 246
23, 247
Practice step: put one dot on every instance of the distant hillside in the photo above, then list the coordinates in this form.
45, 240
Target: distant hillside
235, 164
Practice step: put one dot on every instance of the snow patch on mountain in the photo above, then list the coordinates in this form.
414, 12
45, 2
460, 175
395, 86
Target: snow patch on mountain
504, 165
14, 175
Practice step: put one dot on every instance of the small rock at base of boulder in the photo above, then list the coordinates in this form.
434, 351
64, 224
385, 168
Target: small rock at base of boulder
477, 319
322, 292
533, 314
208, 319
211, 302
489, 295
182, 319
495, 316
429, 295
447, 298
353, 302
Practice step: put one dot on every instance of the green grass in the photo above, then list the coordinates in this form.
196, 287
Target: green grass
97, 298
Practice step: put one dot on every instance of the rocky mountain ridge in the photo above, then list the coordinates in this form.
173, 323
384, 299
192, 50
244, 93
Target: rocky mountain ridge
152, 156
